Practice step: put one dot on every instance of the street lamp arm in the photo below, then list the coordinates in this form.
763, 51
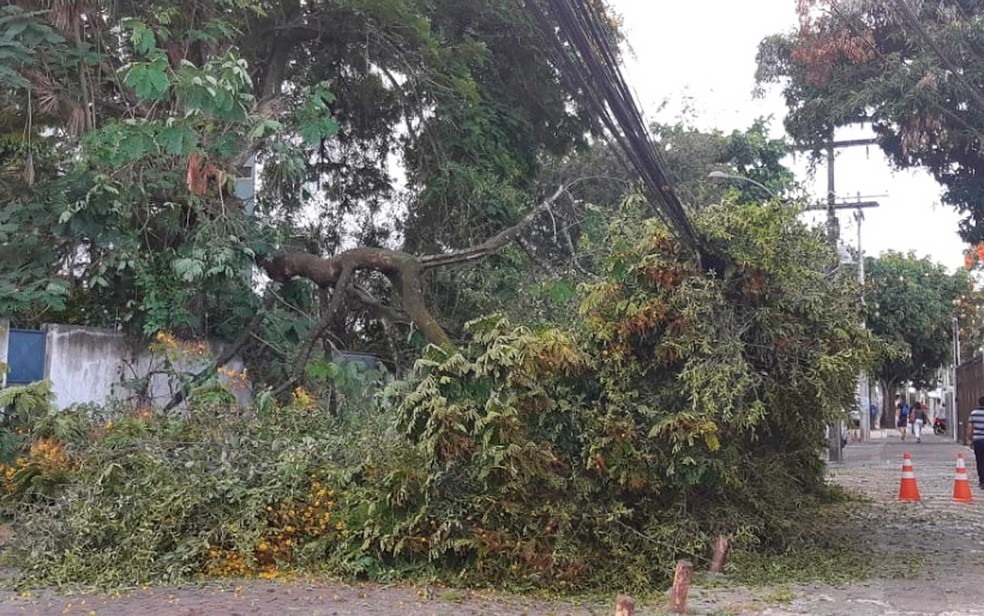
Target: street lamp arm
722, 176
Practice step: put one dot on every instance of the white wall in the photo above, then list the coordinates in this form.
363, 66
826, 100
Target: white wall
90, 365
87, 364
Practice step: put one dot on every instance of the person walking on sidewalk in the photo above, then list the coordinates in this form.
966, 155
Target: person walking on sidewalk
975, 435
901, 416
919, 419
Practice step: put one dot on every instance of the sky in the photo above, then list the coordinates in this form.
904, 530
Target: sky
704, 54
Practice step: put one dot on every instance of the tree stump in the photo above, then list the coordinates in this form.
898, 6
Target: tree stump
720, 555
624, 606
681, 586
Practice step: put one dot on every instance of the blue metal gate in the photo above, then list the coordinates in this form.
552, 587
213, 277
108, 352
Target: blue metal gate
25, 356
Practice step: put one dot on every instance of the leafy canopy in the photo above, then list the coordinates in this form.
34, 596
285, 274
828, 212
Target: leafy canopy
913, 71
674, 391
910, 304
125, 124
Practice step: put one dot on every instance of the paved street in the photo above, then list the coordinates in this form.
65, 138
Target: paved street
873, 468
931, 552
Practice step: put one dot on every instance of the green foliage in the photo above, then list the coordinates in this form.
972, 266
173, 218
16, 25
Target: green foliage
149, 79
679, 405
110, 202
167, 499
343, 384
864, 63
316, 121
33, 461
120, 138
683, 405
910, 305
21, 406
692, 154
25, 402
22, 35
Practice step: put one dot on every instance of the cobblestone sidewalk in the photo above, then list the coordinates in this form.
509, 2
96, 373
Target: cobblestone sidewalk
930, 553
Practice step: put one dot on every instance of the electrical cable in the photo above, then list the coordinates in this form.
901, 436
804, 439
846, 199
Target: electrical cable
590, 66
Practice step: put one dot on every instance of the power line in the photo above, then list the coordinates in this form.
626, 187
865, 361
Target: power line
590, 67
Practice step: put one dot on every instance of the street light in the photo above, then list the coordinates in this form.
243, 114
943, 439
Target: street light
721, 176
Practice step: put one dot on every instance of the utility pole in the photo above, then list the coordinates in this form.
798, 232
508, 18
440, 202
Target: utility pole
864, 389
836, 431
952, 410
833, 225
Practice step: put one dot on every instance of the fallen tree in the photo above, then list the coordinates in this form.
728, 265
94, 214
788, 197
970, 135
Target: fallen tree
676, 407
335, 275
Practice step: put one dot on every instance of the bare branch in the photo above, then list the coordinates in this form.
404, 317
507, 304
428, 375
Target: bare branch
494, 243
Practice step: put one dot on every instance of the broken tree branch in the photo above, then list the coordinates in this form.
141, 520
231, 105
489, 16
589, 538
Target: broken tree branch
319, 330
403, 270
370, 302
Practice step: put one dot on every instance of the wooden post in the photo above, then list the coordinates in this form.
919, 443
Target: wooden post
720, 555
681, 586
624, 606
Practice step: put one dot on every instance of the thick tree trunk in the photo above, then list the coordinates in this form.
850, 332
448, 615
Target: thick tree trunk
888, 403
402, 270
282, 42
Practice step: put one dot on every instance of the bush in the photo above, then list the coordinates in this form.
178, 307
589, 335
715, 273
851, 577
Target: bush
158, 499
684, 404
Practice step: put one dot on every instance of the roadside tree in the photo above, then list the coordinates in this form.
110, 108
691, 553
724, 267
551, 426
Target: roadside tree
913, 71
911, 303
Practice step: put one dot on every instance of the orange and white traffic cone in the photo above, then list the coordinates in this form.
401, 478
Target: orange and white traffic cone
961, 485
908, 490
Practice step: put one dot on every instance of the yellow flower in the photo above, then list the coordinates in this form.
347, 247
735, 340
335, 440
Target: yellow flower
47, 453
302, 399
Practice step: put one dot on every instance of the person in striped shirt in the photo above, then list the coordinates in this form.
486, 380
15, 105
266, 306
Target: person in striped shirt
975, 434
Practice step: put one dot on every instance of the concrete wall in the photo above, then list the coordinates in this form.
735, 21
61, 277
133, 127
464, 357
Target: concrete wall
91, 365
87, 364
